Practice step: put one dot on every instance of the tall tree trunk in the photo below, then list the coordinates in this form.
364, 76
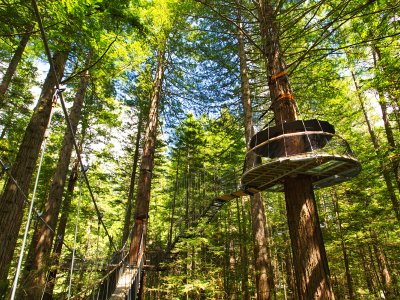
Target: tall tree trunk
385, 172
243, 254
12, 67
142, 288
171, 224
12, 200
376, 277
385, 276
147, 164
309, 256
260, 247
289, 273
261, 263
367, 270
349, 280
44, 235
187, 191
128, 213
62, 225
395, 103
232, 290
385, 117
273, 269
186, 263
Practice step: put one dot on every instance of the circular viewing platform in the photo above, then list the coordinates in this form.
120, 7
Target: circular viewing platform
299, 148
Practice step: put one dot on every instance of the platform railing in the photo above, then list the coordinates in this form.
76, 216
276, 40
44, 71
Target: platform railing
312, 143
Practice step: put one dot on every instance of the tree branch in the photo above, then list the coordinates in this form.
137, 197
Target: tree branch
91, 65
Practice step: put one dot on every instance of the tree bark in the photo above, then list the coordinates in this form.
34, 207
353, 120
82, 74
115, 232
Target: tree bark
128, 214
367, 270
44, 235
171, 224
231, 276
260, 247
289, 273
62, 225
12, 201
349, 280
385, 276
309, 257
147, 164
12, 67
257, 206
385, 117
187, 190
243, 254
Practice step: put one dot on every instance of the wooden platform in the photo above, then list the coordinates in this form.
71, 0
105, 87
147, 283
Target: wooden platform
324, 169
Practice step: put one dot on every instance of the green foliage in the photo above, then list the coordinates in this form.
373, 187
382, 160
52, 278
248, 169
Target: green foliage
200, 145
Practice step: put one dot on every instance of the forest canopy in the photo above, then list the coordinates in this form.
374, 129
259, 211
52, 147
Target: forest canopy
126, 136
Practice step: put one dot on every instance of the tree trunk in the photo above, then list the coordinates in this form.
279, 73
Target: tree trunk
147, 164
142, 288
232, 290
309, 257
260, 247
171, 225
349, 280
385, 173
395, 103
62, 225
243, 255
12, 67
385, 275
12, 201
377, 278
385, 117
257, 205
44, 235
128, 214
273, 269
289, 273
187, 191
367, 270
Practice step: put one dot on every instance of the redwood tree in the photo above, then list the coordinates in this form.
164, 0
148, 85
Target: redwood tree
147, 163
44, 236
258, 219
12, 200
12, 67
309, 256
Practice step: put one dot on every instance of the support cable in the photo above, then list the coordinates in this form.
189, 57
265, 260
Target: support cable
75, 235
26, 200
48, 53
28, 222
